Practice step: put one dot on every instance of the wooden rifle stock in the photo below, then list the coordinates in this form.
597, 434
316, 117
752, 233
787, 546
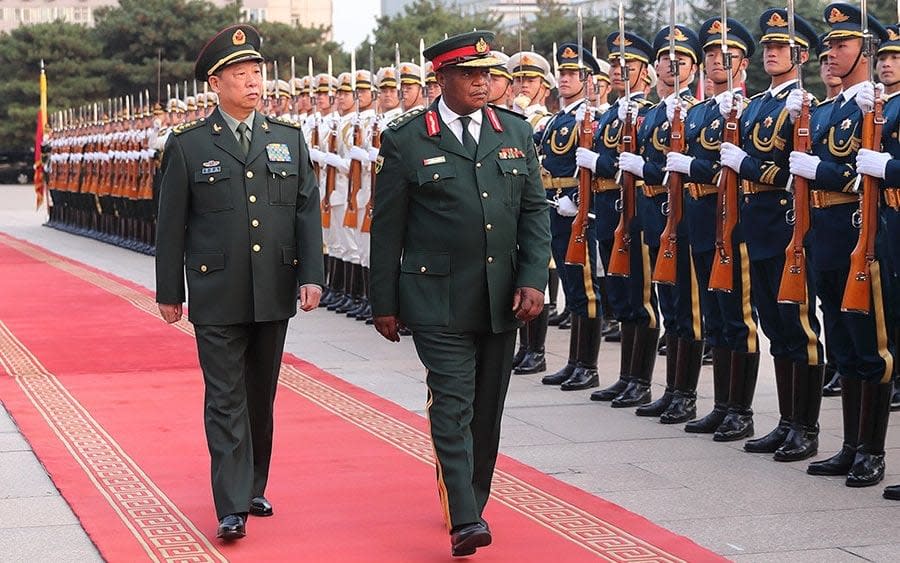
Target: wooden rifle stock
620, 258
330, 174
367, 215
665, 269
721, 278
858, 291
793, 277
576, 253
351, 216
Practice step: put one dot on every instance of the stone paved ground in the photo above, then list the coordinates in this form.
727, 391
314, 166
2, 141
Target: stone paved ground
745, 507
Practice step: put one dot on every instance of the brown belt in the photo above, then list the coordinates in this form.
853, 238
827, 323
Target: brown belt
697, 191
820, 199
755, 188
559, 183
892, 198
653, 190
604, 185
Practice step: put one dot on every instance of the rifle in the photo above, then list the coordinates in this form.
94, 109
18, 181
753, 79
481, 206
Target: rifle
721, 278
665, 270
376, 144
576, 253
858, 290
330, 171
351, 215
793, 277
314, 130
620, 258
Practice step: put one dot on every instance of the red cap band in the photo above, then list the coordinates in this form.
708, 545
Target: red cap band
443, 58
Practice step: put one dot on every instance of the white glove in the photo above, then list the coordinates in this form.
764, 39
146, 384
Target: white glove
373, 154
677, 162
521, 102
586, 158
582, 109
866, 95
732, 155
336, 161
317, 156
630, 162
794, 102
567, 207
803, 164
869, 162
670, 108
358, 153
624, 107
729, 102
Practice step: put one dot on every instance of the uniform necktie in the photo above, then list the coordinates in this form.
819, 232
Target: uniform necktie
242, 136
468, 141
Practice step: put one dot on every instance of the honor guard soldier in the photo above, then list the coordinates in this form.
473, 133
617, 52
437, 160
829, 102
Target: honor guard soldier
239, 210
460, 246
679, 304
602, 88
559, 174
761, 160
728, 317
638, 326
859, 341
501, 82
412, 90
388, 96
432, 88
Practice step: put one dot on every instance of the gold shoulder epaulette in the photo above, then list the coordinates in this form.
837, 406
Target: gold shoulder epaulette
179, 129
644, 102
758, 95
405, 118
284, 121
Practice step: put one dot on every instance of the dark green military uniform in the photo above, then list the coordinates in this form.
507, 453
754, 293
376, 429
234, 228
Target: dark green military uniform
453, 236
247, 230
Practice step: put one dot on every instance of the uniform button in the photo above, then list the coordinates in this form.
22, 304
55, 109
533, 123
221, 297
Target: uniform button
746, 199
490, 259
515, 171
256, 248
489, 226
484, 195
255, 222
436, 176
252, 198
283, 173
203, 268
295, 262
477, 165
249, 173
211, 179
423, 269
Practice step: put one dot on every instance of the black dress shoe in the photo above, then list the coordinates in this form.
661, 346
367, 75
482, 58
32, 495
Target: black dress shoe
867, 470
637, 393
611, 392
833, 387
582, 378
232, 527
533, 362
559, 377
709, 423
565, 323
769, 443
892, 492
259, 506
466, 539
838, 464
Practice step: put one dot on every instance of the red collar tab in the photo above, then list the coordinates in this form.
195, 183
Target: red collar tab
492, 117
432, 124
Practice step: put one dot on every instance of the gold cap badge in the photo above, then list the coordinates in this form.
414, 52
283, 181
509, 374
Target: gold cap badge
837, 16
893, 35
569, 53
717, 27
238, 38
481, 46
618, 40
776, 21
678, 35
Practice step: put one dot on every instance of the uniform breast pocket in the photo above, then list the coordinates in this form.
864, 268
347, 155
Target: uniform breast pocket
436, 185
283, 183
514, 172
211, 192
425, 288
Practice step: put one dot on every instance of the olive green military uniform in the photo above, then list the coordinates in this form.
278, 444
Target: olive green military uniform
247, 230
453, 236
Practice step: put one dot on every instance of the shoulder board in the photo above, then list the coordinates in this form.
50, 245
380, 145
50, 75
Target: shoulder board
689, 98
758, 95
511, 112
405, 118
644, 102
179, 129
783, 94
284, 121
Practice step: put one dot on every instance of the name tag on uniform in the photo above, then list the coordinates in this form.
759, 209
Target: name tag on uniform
434, 160
211, 167
278, 152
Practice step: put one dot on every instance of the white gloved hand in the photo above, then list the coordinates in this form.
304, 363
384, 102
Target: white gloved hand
373, 154
582, 109
623, 108
336, 161
732, 155
521, 102
794, 102
677, 162
729, 102
867, 94
358, 153
803, 164
670, 108
630, 162
566, 207
871, 163
317, 156
586, 158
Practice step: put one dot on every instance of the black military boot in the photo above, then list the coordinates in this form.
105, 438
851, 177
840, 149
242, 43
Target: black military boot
868, 465
802, 441
534, 360
738, 422
335, 282
841, 462
892, 492
687, 373
784, 384
663, 345
567, 370
523, 345
552, 294
347, 288
585, 375
895, 396
361, 311
625, 354
354, 286
721, 378
643, 359
612, 331
659, 406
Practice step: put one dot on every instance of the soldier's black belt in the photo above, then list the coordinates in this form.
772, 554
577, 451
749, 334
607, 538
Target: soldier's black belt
697, 191
749, 187
892, 198
821, 199
653, 190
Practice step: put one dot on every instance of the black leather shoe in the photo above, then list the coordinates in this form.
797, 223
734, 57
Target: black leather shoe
259, 506
838, 464
833, 387
737, 425
657, 407
709, 423
582, 378
611, 392
769, 443
682, 408
559, 377
232, 527
892, 492
466, 539
637, 393
565, 323
612, 332
533, 362
867, 470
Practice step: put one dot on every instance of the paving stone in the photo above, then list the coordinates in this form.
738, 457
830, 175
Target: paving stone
47, 543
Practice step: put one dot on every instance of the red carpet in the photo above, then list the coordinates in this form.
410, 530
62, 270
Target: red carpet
110, 398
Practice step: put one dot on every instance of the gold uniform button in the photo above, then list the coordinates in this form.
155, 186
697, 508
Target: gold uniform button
477, 165
249, 173
423, 269
203, 268
490, 259
283, 173
255, 222
489, 226
256, 248
783, 202
436, 176
252, 199
211, 179
515, 171
484, 195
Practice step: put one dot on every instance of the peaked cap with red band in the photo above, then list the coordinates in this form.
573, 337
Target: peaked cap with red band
234, 44
471, 49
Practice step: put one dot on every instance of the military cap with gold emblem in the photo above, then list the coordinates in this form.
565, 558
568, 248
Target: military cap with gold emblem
892, 43
651, 77
430, 77
235, 44
567, 58
736, 35
325, 83
845, 22
363, 80
500, 69
528, 63
686, 42
297, 85
212, 99
471, 49
386, 77
345, 82
773, 23
603, 73
191, 103
410, 73
282, 88
636, 47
